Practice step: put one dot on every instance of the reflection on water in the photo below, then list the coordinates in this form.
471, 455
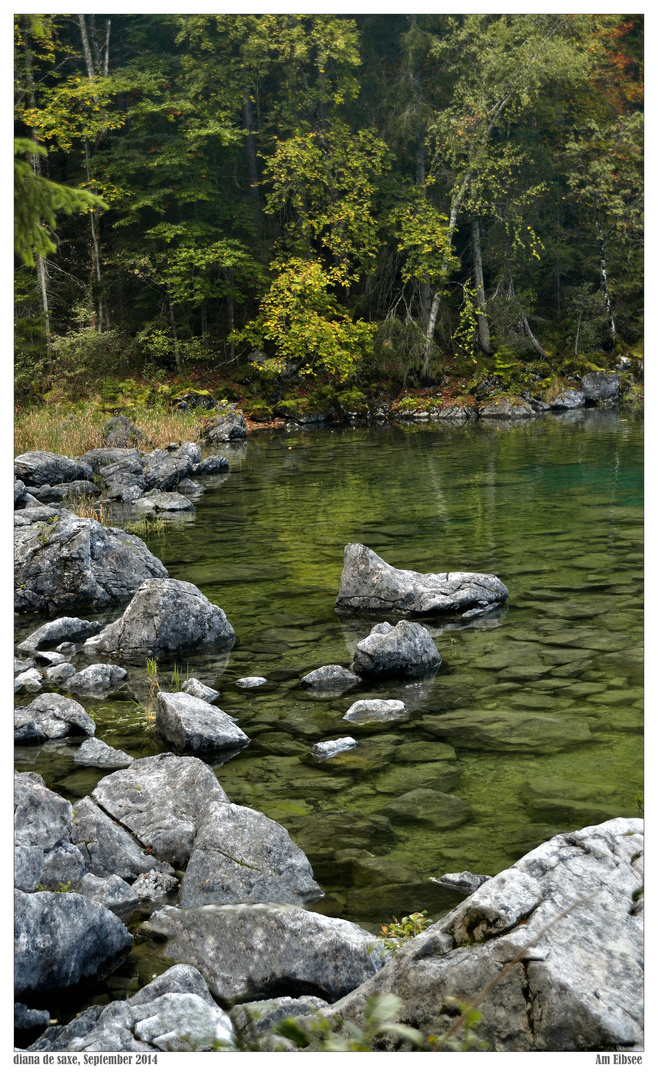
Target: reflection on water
531, 727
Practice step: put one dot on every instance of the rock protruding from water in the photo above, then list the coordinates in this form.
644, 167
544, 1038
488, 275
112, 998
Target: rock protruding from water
54, 633
368, 584
569, 399
200, 690
39, 467
62, 938
211, 465
367, 710
240, 855
322, 751
160, 800
463, 881
227, 424
98, 754
552, 1000
330, 677
62, 561
165, 617
402, 651
193, 726
247, 951
107, 847
56, 716
96, 680
506, 408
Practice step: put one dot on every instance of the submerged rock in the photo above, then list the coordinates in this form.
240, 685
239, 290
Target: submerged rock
165, 617
553, 1000
264, 950
241, 855
193, 726
62, 938
370, 584
69, 561
405, 650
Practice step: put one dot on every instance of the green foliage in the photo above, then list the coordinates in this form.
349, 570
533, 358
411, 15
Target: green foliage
397, 931
306, 326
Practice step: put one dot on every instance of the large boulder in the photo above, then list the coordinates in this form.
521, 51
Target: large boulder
96, 680
164, 469
107, 847
120, 431
62, 938
247, 951
43, 854
211, 465
39, 467
67, 561
601, 385
193, 726
160, 800
568, 399
505, 408
370, 584
578, 988
241, 855
403, 651
124, 479
97, 754
165, 617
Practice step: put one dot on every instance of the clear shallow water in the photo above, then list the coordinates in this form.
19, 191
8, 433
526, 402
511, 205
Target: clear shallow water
534, 719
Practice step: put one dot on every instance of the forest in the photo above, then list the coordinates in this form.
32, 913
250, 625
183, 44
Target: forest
324, 206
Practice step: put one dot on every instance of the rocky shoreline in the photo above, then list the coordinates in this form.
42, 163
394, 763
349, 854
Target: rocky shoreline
223, 887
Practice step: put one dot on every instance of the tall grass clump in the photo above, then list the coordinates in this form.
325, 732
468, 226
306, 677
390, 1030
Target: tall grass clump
64, 428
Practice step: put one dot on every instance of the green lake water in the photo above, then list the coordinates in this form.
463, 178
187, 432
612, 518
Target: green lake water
534, 720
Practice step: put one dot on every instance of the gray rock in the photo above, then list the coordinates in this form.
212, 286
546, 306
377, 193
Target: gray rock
155, 884
254, 1019
121, 432
458, 414
20, 494
368, 709
370, 584
112, 892
29, 681
77, 489
241, 855
190, 488
163, 470
25, 1019
184, 1022
39, 467
179, 979
258, 950
155, 502
41, 817
193, 726
200, 690
507, 409
107, 847
61, 938
601, 385
56, 632
21, 665
510, 732
28, 864
165, 617
96, 680
578, 988
330, 677
59, 1036
211, 466
97, 753
160, 800
105, 455
324, 750
75, 561
404, 650
228, 423
570, 399
26, 730
57, 716
49, 658
63, 866
464, 881
58, 674
250, 682
124, 480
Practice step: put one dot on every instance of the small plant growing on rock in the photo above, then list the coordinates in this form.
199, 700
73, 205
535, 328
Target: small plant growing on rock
397, 931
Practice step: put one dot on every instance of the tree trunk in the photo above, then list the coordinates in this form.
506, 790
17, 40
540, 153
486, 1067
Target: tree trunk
604, 276
40, 260
172, 320
524, 322
436, 300
94, 221
483, 325
250, 151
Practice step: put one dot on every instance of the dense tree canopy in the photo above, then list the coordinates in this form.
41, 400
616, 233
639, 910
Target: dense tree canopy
330, 190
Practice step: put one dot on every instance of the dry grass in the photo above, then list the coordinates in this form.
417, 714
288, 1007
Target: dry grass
73, 429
